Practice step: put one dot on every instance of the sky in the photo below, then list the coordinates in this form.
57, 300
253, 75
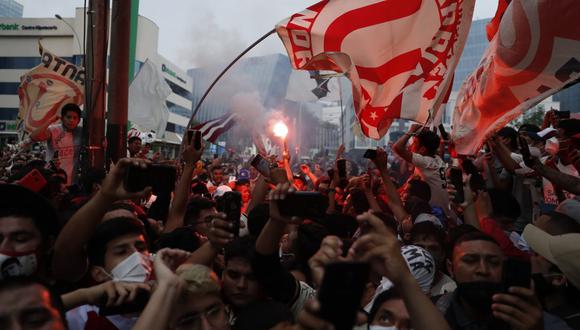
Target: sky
195, 33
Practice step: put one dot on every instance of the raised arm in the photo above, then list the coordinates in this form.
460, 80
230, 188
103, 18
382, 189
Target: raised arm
382, 250
393, 198
69, 261
400, 147
190, 156
42, 133
564, 181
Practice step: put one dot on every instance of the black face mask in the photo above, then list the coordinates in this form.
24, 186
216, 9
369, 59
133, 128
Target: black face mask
478, 295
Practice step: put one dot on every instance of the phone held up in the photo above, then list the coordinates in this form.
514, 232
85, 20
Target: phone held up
231, 204
370, 154
159, 177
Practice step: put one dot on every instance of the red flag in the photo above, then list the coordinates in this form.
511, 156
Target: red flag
211, 130
399, 55
535, 53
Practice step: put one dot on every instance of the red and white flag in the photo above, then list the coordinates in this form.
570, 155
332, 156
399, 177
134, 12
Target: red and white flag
46, 88
398, 54
212, 129
534, 54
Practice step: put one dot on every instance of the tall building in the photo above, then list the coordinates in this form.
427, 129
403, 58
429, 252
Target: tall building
10, 8
19, 53
268, 75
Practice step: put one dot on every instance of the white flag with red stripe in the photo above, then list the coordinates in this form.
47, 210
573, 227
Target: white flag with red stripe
398, 54
211, 130
534, 53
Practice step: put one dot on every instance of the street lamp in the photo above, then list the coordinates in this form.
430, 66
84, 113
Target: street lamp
74, 32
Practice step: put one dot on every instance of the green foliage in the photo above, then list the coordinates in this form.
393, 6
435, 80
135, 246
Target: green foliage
534, 116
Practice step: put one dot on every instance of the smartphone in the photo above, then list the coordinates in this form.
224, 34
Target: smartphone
341, 165
231, 204
525, 149
456, 177
305, 204
197, 140
341, 293
516, 272
190, 136
476, 182
55, 154
34, 181
261, 164
370, 154
135, 306
159, 177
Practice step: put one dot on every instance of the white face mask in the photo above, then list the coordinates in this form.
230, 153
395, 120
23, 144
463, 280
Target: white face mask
552, 146
17, 265
380, 327
135, 268
535, 151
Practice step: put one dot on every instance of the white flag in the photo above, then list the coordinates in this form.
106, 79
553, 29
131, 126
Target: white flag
147, 95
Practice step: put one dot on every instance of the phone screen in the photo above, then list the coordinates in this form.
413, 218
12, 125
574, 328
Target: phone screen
262, 165
456, 178
341, 165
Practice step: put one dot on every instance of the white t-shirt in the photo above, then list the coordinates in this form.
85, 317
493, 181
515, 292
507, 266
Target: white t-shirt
432, 171
68, 144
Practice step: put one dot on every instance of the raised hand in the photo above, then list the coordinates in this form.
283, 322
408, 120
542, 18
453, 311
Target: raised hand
166, 262
112, 187
113, 293
330, 251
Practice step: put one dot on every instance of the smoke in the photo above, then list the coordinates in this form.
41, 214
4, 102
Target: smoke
210, 43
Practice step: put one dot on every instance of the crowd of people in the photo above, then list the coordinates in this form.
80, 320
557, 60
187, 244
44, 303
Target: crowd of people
410, 237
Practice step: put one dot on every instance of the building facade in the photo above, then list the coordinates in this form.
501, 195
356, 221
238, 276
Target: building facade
11, 8
19, 53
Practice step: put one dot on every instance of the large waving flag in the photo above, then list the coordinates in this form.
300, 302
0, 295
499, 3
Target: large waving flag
147, 99
534, 54
398, 54
212, 129
47, 87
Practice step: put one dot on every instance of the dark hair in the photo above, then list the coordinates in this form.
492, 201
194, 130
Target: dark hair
70, 107
197, 187
428, 229
472, 236
194, 207
504, 204
108, 231
19, 282
511, 134
257, 219
387, 295
419, 188
183, 238
243, 247
93, 176
133, 139
529, 128
389, 221
415, 206
430, 140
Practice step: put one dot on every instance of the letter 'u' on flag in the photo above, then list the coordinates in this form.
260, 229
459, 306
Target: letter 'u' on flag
147, 96
400, 55
46, 88
534, 54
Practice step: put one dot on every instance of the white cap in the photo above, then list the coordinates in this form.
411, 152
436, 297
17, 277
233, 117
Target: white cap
221, 190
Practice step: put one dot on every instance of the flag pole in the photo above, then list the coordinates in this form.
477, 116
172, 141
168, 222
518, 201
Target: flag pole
224, 72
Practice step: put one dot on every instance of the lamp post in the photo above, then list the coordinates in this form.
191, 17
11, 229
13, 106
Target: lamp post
81, 49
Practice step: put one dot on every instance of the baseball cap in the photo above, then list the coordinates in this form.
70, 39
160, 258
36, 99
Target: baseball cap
243, 176
221, 190
426, 217
571, 208
561, 250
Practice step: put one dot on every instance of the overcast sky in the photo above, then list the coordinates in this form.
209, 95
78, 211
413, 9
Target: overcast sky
196, 33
